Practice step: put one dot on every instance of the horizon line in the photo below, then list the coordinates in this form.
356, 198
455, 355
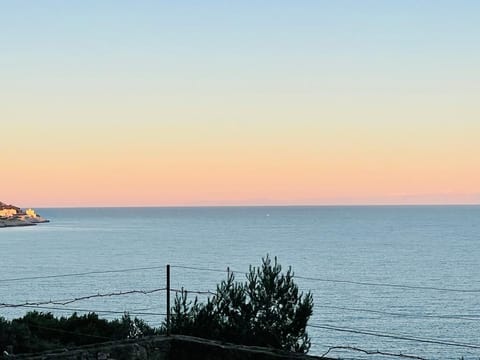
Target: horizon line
257, 205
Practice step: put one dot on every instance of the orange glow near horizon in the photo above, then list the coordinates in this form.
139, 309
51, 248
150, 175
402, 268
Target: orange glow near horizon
309, 161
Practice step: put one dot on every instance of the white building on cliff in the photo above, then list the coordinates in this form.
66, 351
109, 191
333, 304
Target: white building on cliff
9, 210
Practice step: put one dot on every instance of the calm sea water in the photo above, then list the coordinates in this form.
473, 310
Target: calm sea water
427, 248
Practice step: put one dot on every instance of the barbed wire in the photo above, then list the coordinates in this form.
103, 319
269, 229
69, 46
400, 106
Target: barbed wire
396, 336
82, 273
371, 352
111, 294
86, 297
63, 302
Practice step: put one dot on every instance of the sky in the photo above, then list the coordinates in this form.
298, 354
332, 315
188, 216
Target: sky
205, 103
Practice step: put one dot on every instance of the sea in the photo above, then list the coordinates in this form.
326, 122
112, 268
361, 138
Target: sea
392, 279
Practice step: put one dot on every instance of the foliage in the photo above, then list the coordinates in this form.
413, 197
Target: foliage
37, 331
266, 310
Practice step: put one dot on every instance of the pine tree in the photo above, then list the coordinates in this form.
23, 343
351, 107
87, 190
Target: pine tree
265, 310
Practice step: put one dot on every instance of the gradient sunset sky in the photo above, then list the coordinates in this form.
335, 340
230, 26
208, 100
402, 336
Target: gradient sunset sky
160, 103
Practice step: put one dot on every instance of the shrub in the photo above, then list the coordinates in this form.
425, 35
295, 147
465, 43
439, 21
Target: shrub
37, 331
265, 310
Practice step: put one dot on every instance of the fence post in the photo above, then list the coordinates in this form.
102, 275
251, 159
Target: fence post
168, 299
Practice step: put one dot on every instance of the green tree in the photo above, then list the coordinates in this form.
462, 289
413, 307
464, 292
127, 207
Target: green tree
265, 310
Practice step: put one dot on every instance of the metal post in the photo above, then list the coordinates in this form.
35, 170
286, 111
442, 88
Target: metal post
168, 299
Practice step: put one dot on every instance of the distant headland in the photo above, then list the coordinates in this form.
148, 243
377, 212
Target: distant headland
11, 215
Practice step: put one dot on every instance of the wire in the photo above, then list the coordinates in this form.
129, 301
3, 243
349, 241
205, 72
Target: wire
228, 270
400, 286
206, 292
198, 268
455, 317
87, 297
93, 310
396, 336
69, 301
371, 352
81, 274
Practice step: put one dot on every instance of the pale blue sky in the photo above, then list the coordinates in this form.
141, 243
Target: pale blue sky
261, 46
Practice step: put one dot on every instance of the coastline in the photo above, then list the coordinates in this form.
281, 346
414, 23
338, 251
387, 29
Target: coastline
7, 223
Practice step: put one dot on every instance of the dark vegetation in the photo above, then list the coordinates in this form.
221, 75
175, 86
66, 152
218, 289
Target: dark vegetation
265, 310
37, 332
